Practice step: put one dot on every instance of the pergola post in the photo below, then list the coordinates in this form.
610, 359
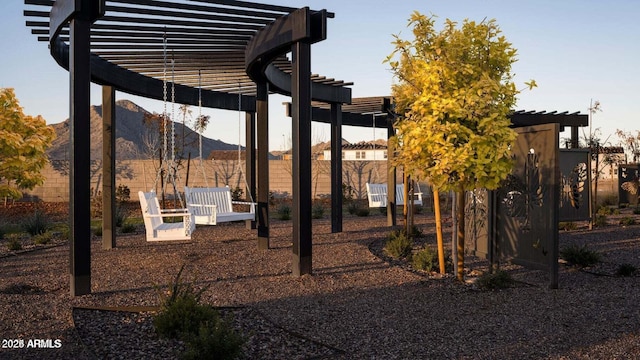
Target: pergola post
80, 162
336, 167
262, 107
108, 167
301, 129
250, 161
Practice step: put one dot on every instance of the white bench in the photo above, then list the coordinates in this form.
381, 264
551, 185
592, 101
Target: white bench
214, 205
377, 195
156, 228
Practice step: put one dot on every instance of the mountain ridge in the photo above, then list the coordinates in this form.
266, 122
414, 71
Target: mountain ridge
135, 139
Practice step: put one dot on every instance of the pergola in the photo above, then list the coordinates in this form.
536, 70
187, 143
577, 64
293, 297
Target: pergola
229, 54
234, 52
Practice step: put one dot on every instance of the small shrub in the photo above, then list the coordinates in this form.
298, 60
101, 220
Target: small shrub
128, 228
42, 239
123, 193
181, 312
383, 210
2, 232
317, 211
567, 226
415, 232
495, 281
362, 212
600, 221
121, 216
616, 211
626, 270
214, 340
284, 212
352, 208
182, 317
426, 259
14, 244
347, 193
398, 244
97, 231
604, 210
236, 194
36, 224
627, 220
580, 255
636, 210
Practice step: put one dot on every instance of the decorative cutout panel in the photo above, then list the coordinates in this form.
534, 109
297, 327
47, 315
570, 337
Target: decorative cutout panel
574, 185
628, 181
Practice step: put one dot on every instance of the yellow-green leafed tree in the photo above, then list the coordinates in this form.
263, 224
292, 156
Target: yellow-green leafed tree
453, 92
23, 142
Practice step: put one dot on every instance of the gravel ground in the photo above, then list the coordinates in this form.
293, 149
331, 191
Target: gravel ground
356, 305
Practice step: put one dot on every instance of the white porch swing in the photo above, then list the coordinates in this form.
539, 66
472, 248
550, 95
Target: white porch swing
153, 215
213, 205
377, 192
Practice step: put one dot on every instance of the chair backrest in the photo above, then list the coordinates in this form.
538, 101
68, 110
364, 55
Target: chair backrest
150, 205
219, 196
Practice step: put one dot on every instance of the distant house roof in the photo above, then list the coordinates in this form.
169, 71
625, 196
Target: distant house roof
364, 145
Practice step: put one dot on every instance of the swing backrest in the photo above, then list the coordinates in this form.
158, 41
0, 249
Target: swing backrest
219, 196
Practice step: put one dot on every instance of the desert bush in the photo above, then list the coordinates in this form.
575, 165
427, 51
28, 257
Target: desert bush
426, 259
627, 220
317, 211
214, 340
580, 255
495, 281
97, 230
44, 238
14, 244
121, 215
600, 221
604, 210
567, 226
123, 193
626, 270
284, 212
398, 244
36, 224
362, 212
352, 208
128, 228
200, 326
636, 210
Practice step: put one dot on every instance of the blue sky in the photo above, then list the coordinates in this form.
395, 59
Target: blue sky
576, 50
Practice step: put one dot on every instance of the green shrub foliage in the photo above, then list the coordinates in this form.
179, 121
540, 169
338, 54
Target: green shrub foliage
580, 255
398, 245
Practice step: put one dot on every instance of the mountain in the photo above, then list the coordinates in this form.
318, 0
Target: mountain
133, 137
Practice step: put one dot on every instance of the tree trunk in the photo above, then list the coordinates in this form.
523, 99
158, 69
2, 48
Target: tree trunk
436, 210
460, 230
